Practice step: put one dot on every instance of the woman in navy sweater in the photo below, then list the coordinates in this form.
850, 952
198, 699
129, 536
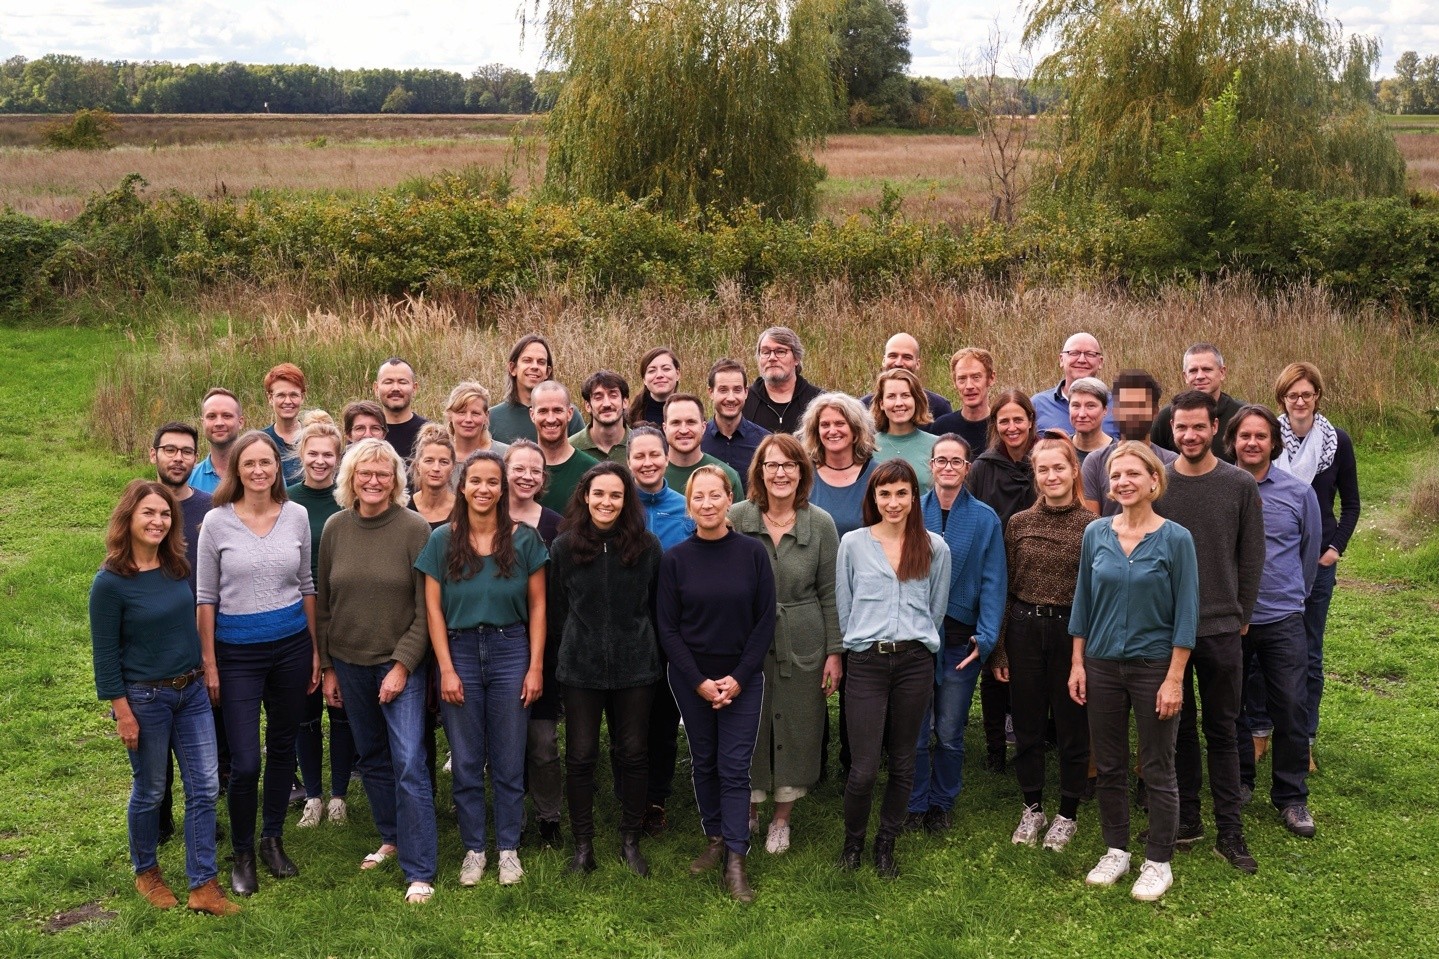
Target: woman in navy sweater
716, 615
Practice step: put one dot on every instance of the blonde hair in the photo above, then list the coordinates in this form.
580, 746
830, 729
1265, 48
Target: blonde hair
861, 426
709, 469
431, 434
317, 425
922, 415
1152, 465
370, 450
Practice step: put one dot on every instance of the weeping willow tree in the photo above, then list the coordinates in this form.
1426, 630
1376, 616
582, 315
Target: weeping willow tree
691, 105
1135, 70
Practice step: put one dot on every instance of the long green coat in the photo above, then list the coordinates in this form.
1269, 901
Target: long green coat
807, 630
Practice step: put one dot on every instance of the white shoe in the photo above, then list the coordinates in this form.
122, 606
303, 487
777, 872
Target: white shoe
336, 811
778, 839
1110, 867
1031, 824
449, 761
510, 871
310, 817
1154, 880
1060, 833
472, 868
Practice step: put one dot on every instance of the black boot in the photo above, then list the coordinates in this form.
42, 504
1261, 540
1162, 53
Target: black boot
630, 853
272, 854
849, 857
583, 858
736, 883
243, 881
884, 858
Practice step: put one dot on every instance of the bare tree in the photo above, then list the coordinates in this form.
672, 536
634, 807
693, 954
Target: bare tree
995, 87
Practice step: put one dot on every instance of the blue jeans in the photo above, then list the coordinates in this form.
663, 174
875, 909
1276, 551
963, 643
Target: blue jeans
391, 741
489, 729
721, 753
937, 782
1275, 660
175, 720
1316, 615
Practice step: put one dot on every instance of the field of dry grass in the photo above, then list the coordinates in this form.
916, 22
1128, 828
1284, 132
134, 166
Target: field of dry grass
170, 129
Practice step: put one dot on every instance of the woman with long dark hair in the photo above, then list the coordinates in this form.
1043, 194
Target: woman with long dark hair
603, 573
485, 608
146, 653
891, 589
660, 374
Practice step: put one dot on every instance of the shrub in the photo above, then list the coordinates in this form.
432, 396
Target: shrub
85, 130
25, 245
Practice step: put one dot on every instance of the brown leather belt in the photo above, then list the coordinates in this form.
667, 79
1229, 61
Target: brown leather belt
174, 682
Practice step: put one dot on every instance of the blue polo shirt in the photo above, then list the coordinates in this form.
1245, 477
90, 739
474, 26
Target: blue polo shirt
1292, 531
203, 477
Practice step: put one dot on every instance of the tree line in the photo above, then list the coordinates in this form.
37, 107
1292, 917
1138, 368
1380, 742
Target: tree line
1414, 88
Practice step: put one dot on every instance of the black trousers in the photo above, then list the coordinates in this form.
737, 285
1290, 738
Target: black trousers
1040, 653
629, 712
887, 696
1217, 663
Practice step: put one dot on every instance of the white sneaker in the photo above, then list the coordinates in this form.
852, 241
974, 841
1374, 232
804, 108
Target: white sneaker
336, 811
1110, 867
1060, 833
1154, 880
310, 817
472, 868
510, 871
778, 839
1031, 824
449, 762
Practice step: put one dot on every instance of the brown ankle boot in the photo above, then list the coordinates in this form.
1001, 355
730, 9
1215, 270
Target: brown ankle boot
710, 858
210, 898
152, 886
736, 883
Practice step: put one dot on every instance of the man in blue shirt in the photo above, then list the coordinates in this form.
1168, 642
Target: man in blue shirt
223, 421
1080, 357
1276, 659
728, 436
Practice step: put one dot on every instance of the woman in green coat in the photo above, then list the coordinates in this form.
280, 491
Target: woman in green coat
803, 665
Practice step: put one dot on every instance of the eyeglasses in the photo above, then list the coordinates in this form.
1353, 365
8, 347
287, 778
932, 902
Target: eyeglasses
778, 352
785, 467
170, 450
945, 463
526, 471
1306, 397
1076, 354
370, 476
287, 397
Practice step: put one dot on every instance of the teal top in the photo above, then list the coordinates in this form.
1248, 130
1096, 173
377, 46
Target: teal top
1138, 606
319, 505
511, 421
914, 448
485, 599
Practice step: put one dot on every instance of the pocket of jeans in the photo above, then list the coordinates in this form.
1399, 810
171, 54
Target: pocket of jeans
1155, 663
140, 695
516, 631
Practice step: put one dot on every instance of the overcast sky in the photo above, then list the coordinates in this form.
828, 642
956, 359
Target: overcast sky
462, 34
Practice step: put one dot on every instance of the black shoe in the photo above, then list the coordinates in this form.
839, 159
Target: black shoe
583, 859
272, 854
884, 863
849, 857
913, 822
655, 821
1246, 793
631, 855
937, 820
297, 795
550, 834
243, 881
1297, 820
994, 760
1236, 853
1185, 836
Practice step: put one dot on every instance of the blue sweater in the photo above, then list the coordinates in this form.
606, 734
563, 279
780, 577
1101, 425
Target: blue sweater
978, 572
666, 516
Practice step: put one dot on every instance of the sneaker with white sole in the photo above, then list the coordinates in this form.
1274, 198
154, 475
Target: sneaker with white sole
777, 842
1031, 824
449, 762
310, 817
1060, 832
472, 868
510, 871
1154, 880
1110, 867
336, 811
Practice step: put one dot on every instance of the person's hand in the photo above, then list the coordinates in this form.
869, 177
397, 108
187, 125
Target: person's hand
128, 728
973, 655
709, 692
394, 683
1170, 699
452, 690
212, 683
332, 694
534, 685
833, 673
1077, 691
314, 671
1330, 557
729, 690
1001, 673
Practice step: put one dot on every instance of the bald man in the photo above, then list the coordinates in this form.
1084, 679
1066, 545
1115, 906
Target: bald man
901, 351
1081, 357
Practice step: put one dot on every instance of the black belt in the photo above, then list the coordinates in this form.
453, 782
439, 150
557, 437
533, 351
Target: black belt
174, 682
1046, 611
888, 647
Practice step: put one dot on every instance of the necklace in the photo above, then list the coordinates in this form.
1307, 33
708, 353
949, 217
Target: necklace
781, 525
841, 469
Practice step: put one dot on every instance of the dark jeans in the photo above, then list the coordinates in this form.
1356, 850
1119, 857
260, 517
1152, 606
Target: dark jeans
1040, 654
309, 744
1276, 659
721, 752
1218, 663
993, 705
939, 773
888, 695
629, 718
1316, 615
1114, 689
277, 676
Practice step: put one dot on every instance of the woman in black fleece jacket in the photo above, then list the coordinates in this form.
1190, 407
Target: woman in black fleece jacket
603, 570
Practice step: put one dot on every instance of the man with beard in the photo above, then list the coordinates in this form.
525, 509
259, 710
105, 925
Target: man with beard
395, 386
223, 422
780, 396
1219, 504
550, 410
604, 393
1080, 357
531, 363
728, 436
684, 426
1135, 400
901, 352
1204, 370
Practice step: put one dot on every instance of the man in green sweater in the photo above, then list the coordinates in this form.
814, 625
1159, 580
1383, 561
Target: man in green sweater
550, 413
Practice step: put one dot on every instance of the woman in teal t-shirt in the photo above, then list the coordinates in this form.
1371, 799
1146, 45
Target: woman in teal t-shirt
485, 601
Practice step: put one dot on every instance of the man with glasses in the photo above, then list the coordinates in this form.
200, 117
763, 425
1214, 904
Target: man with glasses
778, 398
1080, 357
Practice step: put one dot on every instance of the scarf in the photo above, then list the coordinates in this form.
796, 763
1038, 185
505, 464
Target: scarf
1306, 457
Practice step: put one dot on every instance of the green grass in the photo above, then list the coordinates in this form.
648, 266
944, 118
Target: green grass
1366, 886
1412, 123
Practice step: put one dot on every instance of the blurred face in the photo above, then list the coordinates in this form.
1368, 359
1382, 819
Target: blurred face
365, 427
221, 420
780, 473
898, 403
661, 376
1134, 413
901, 353
972, 382
1086, 413
551, 414
470, 421
526, 471
150, 523
434, 466
1130, 481
684, 427
482, 488
776, 362
532, 367
606, 405
1193, 432
374, 481
835, 434
728, 395
258, 468
1013, 424
1301, 402
605, 499
319, 460
1253, 444
1055, 477
395, 387
1081, 356
174, 458
1205, 373
648, 462
948, 465
286, 398
894, 501
709, 502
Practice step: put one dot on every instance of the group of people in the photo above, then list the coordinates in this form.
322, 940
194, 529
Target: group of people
1080, 556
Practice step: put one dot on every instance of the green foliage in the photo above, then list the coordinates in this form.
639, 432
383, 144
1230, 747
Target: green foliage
873, 48
85, 130
690, 106
25, 245
1414, 88
400, 100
